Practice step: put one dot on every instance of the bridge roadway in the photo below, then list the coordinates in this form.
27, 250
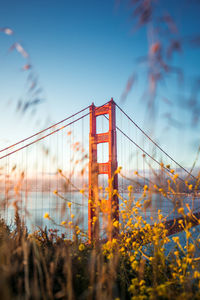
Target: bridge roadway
173, 226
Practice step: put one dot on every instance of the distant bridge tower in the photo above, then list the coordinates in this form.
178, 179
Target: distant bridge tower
108, 168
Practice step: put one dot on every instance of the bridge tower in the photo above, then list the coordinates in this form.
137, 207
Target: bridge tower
108, 168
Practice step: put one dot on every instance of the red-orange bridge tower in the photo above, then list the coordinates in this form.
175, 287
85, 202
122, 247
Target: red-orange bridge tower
108, 168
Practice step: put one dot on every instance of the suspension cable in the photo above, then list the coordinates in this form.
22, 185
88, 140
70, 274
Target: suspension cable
39, 132
155, 142
146, 153
51, 133
43, 137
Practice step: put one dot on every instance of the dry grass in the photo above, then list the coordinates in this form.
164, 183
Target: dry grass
133, 265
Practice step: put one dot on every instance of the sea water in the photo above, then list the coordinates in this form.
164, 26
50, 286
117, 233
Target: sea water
34, 205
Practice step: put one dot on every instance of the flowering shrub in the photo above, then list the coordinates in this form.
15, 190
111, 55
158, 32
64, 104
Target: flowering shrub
138, 261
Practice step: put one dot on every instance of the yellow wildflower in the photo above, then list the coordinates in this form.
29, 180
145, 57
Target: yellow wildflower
46, 216
122, 249
82, 191
172, 171
190, 187
180, 222
134, 265
72, 216
116, 224
63, 223
189, 260
128, 240
55, 192
81, 247
196, 274
69, 204
115, 192
181, 210
191, 248
118, 170
175, 239
130, 188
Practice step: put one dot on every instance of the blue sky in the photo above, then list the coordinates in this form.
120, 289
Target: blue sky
84, 51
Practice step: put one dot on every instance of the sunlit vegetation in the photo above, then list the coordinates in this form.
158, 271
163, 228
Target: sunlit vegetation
140, 262
141, 255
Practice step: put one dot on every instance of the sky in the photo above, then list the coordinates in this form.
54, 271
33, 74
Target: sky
86, 51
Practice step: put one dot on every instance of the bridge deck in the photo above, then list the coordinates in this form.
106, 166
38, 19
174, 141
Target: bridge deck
173, 226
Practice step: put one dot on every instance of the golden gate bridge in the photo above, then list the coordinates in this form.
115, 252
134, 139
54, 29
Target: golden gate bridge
66, 174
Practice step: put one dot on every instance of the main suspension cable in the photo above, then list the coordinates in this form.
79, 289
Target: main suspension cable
39, 132
155, 142
51, 133
43, 137
146, 153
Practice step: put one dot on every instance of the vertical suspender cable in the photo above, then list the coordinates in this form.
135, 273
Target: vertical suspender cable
36, 181
57, 176
49, 173
82, 208
42, 181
